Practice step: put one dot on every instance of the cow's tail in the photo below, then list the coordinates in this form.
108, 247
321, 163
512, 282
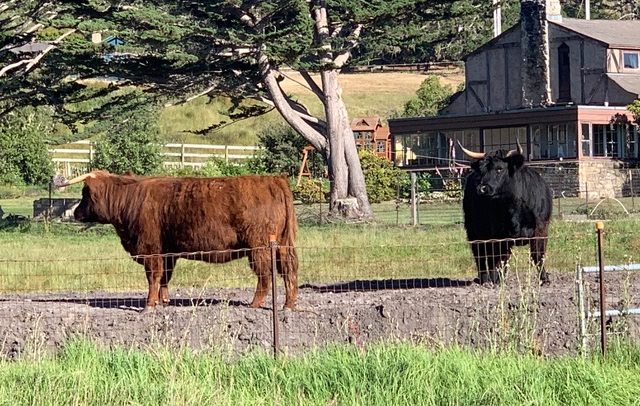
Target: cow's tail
288, 255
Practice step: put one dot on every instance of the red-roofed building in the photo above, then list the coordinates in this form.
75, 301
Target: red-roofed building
370, 134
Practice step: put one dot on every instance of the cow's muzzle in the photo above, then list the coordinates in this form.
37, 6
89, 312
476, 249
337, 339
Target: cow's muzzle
484, 190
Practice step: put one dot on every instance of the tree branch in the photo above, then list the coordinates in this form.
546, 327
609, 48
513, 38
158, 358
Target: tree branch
292, 117
33, 61
342, 58
14, 65
48, 49
312, 85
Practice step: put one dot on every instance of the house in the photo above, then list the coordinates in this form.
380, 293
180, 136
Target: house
558, 85
370, 134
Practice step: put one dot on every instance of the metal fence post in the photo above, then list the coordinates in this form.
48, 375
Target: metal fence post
414, 203
274, 299
633, 203
603, 331
582, 323
586, 198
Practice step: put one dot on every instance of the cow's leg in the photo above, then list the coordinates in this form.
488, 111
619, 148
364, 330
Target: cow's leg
501, 255
538, 247
169, 264
480, 255
288, 268
153, 267
490, 258
494, 257
260, 261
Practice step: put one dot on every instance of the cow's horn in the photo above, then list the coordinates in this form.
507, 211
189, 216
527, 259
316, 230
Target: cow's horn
79, 179
472, 154
518, 150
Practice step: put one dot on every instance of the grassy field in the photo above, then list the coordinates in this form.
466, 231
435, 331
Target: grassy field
380, 375
73, 257
365, 94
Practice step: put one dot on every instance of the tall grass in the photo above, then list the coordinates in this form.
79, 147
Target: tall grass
380, 375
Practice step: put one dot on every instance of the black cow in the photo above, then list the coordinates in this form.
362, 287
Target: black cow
508, 201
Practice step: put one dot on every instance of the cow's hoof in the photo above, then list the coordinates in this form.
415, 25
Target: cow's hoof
148, 309
165, 302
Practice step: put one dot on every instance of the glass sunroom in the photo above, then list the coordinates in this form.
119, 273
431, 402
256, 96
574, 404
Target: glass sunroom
555, 133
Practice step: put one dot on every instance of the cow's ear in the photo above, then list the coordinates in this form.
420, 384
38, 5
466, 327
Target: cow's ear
515, 161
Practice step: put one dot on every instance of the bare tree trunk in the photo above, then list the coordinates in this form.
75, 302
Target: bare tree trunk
334, 139
344, 164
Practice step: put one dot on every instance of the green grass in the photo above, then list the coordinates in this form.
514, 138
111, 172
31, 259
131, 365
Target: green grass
54, 257
391, 374
71, 257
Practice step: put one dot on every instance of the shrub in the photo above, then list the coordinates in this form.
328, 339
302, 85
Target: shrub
215, 167
282, 152
423, 184
132, 144
634, 108
24, 158
310, 191
381, 177
430, 98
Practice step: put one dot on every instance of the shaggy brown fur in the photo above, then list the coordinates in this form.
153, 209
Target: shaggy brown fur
162, 215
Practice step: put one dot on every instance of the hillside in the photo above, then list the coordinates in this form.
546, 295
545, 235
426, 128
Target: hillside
366, 94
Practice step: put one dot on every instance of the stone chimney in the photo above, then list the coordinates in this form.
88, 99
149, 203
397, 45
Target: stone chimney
96, 37
534, 42
554, 12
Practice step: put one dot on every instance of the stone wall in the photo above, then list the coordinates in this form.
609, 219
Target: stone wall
60, 207
591, 178
562, 178
600, 178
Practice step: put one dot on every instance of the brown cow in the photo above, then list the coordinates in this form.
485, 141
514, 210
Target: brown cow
170, 215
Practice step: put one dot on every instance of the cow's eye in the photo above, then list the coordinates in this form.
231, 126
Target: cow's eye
498, 169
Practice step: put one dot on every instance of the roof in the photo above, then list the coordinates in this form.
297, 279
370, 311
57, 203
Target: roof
628, 82
365, 123
615, 33
31, 47
382, 133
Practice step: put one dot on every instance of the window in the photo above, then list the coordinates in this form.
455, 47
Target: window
632, 142
432, 148
503, 138
586, 139
630, 60
380, 146
615, 140
553, 141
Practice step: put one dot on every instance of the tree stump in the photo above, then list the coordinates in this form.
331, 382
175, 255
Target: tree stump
347, 208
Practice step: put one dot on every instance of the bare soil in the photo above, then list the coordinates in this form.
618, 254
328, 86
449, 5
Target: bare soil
436, 312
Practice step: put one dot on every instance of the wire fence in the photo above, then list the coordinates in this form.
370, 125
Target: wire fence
577, 195
421, 291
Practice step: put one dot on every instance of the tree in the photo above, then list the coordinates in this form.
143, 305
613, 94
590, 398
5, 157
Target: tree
24, 158
634, 108
238, 48
430, 98
131, 144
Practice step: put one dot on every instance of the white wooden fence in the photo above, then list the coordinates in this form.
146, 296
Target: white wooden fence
70, 161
